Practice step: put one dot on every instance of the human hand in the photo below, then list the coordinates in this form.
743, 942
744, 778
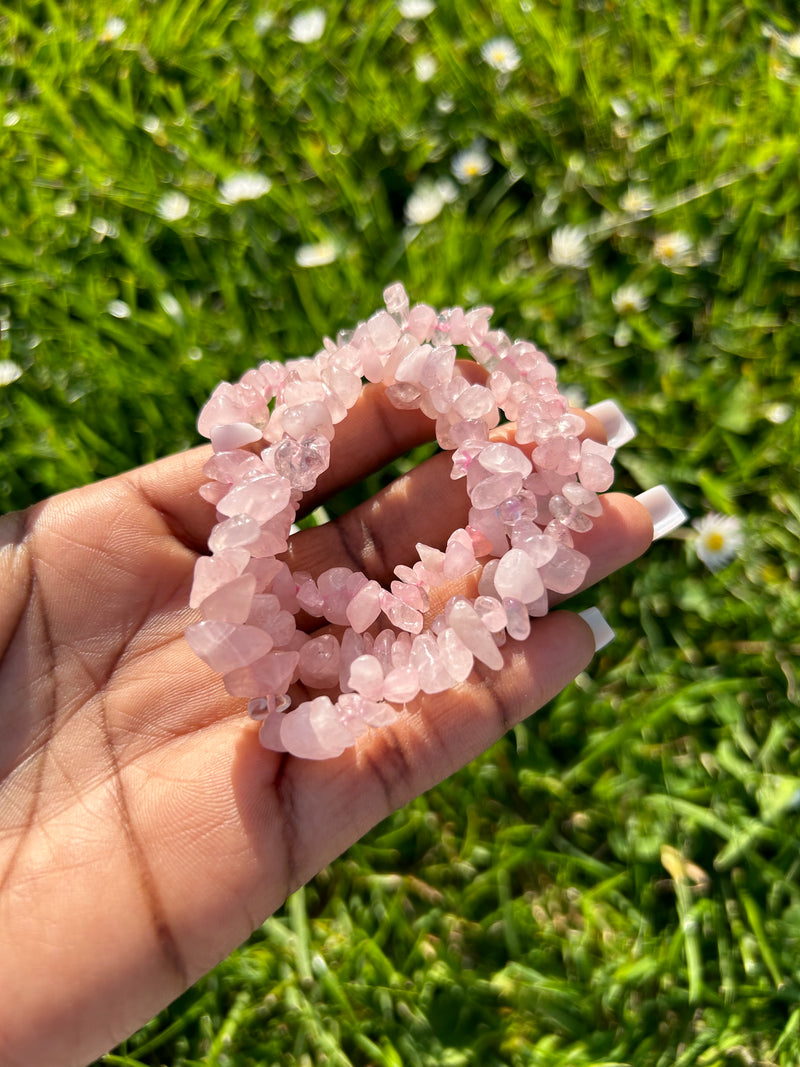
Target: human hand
144, 832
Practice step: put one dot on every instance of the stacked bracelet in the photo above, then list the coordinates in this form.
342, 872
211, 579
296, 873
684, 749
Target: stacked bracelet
525, 505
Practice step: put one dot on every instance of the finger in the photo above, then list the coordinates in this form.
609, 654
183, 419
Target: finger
336, 801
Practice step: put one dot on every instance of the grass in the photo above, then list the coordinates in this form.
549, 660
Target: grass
616, 881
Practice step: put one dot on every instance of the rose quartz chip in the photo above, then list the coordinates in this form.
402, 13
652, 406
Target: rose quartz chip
269, 734
595, 470
224, 646
466, 622
366, 677
314, 730
233, 435
565, 571
501, 458
517, 576
401, 684
318, 665
426, 658
231, 602
401, 615
383, 331
365, 607
459, 556
494, 489
492, 613
272, 673
396, 299
519, 623
413, 595
261, 497
236, 532
422, 322
456, 657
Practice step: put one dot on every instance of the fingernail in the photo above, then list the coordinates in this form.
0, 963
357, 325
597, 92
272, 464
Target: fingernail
619, 429
601, 631
664, 511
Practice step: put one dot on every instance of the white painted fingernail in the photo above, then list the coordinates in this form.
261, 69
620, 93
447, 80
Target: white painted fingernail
666, 514
601, 631
619, 429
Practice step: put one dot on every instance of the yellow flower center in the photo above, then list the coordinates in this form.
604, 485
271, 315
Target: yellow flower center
715, 541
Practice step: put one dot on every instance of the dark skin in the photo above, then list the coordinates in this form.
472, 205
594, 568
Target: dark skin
144, 833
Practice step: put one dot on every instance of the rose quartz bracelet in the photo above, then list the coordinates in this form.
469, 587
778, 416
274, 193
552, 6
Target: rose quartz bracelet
518, 536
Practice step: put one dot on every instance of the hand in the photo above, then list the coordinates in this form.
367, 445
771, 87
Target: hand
144, 832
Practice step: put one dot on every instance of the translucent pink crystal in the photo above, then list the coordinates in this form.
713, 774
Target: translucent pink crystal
401, 615
307, 419
366, 677
272, 673
231, 602
565, 571
466, 622
491, 612
301, 462
269, 734
260, 497
494, 489
455, 656
365, 607
396, 299
318, 665
501, 458
233, 435
383, 331
426, 658
517, 576
225, 646
595, 470
314, 730
236, 532
413, 595
401, 684
422, 322
519, 622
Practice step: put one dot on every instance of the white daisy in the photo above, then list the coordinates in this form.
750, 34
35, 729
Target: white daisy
629, 299
308, 26
569, 248
779, 413
172, 206
114, 28
9, 371
316, 255
424, 204
119, 309
674, 250
415, 9
718, 539
501, 53
470, 163
244, 186
637, 200
425, 66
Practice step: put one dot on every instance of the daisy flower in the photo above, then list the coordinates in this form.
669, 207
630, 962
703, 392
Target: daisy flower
501, 53
244, 186
718, 539
674, 250
424, 204
315, 255
9, 371
415, 9
637, 200
629, 299
172, 206
470, 163
308, 26
569, 248
425, 66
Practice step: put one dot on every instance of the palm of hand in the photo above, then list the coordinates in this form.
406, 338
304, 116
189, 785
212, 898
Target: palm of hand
143, 831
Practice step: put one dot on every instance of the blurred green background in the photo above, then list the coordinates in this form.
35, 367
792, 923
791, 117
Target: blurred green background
188, 188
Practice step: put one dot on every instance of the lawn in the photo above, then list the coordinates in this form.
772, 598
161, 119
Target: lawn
189, 187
